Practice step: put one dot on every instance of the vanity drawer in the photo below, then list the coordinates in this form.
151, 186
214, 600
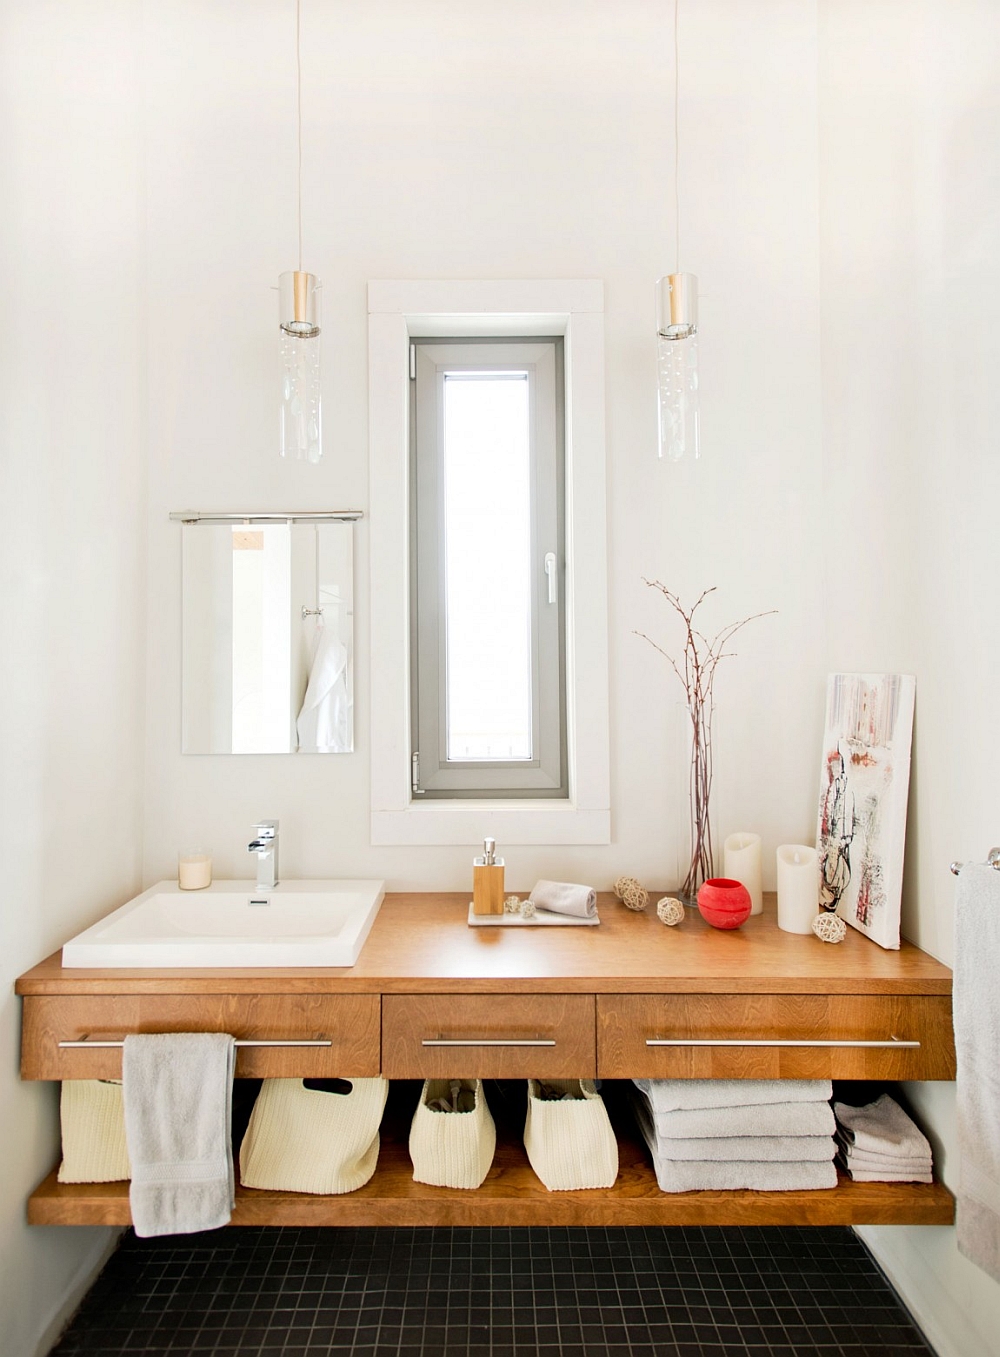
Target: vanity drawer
488, 1036
818, 1032
349, 1022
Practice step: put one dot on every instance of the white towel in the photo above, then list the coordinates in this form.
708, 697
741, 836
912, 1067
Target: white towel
323, 724
884, 1175
732, 1175
868, 1159
882, 1127
766, 1119
756, 1149
178, 1091
678, 1095
563, 897
976, 1000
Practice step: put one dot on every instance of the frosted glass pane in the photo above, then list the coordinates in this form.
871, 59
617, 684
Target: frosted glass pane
487, 523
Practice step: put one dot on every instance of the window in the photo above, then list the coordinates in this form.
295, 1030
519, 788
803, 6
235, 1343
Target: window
487, 655
402, 314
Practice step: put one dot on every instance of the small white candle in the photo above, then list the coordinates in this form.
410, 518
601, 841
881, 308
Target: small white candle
194, 869
798, 887
742, 858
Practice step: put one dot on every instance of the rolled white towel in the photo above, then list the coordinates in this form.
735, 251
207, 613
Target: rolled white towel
755, 1149
563, 897
678, 1095
882, 1127
767, 1119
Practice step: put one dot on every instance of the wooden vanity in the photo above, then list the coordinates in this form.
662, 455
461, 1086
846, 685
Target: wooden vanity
430, 996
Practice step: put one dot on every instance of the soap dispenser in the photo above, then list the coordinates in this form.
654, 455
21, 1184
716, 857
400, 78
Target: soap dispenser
487, 881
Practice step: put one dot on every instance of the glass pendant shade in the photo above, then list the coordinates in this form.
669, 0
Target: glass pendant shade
301, 393
677, 365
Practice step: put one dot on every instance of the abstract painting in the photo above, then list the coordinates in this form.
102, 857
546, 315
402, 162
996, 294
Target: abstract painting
862, 804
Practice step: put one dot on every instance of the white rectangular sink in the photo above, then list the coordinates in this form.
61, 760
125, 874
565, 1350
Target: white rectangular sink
231, 923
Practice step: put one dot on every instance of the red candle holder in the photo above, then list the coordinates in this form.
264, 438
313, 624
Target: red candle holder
724, 903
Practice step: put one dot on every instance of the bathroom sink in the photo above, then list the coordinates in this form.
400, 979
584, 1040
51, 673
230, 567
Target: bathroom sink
232, 923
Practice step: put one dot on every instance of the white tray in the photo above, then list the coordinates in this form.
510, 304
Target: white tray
543, 918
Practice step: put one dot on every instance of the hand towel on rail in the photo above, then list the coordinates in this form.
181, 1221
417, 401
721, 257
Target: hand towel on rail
679, 1095
976, 1004
178, 1090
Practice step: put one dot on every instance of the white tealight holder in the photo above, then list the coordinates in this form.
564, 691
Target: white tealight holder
194, 869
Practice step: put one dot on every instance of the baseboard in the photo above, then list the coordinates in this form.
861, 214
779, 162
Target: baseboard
88, 1273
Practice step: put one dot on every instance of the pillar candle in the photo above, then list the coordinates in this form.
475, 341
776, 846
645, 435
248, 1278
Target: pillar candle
742, 858
194, 870
798, 887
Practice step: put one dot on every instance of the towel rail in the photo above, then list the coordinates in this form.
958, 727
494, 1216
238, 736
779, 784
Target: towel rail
894, 1043
87, 1045
992, 860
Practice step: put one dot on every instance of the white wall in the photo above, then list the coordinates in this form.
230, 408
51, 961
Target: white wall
71, 564
909, 125
520, 141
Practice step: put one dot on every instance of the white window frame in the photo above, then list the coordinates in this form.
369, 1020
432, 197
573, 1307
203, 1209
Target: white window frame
397, 312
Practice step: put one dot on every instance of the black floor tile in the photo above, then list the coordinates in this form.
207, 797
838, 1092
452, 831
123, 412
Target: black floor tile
643, 1292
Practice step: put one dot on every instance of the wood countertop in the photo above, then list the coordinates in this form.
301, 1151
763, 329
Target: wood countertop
421, 943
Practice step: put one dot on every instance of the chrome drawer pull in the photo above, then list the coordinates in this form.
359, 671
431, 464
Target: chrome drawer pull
894, 1043
464, 1042
109, 1045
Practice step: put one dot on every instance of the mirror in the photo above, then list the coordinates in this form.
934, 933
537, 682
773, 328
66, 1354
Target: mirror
267, 638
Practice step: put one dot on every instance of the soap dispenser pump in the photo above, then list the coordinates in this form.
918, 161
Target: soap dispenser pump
487, 881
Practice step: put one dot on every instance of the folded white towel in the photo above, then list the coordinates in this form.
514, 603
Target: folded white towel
765, 1119
732, 1175
562, 897
862, 1175
755, 1149
177, 1091
895, 1163
678, 1095
882, 1127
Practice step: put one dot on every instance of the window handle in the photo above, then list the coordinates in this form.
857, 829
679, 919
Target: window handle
550, 571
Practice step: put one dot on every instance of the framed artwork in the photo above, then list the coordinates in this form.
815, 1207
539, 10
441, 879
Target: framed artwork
862, 805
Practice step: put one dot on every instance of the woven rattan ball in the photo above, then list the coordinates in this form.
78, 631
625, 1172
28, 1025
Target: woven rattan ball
512, 905
828, 928
527, 909
669, 910
631, 893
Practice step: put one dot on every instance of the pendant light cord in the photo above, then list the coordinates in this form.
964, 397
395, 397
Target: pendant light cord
298, 95
677, 151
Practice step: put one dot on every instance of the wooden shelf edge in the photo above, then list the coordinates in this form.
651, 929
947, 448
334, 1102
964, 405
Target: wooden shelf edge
390, 1199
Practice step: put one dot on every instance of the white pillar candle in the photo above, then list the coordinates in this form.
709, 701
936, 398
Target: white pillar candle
194, 870
742, 859
798, 887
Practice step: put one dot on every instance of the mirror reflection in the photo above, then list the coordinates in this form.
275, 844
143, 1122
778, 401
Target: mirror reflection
268, 631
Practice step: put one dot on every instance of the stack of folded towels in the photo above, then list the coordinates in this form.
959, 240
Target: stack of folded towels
768, 1135
879, 1143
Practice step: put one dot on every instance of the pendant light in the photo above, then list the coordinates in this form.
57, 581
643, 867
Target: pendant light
677, 330
299, 318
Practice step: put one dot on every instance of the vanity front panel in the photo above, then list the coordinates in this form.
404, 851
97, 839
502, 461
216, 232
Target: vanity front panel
469, 1036
344, 1030
774, 1036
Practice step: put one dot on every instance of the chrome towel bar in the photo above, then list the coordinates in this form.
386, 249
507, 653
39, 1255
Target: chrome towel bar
893, 1043
992, 860
109, 1045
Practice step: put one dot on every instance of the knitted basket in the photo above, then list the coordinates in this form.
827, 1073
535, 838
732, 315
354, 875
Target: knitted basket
452, 1149
92, 1114
309, 1140
570, 1142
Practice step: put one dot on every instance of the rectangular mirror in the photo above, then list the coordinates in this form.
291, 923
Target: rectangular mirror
267, 638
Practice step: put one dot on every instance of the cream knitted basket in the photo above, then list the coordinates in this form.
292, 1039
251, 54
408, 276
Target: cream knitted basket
452, 1149
92, 1115
570, 1142
307, 1140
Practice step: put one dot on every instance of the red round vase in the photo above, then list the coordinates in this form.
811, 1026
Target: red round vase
724, 903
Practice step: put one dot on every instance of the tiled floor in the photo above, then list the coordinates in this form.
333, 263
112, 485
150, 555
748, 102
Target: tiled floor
641, 1292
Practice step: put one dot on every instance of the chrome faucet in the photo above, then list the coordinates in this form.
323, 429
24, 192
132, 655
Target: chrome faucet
265, 845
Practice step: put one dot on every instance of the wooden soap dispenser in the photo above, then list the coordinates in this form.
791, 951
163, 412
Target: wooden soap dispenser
487, 881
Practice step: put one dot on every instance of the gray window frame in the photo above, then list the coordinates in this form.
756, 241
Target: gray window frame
545, 775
